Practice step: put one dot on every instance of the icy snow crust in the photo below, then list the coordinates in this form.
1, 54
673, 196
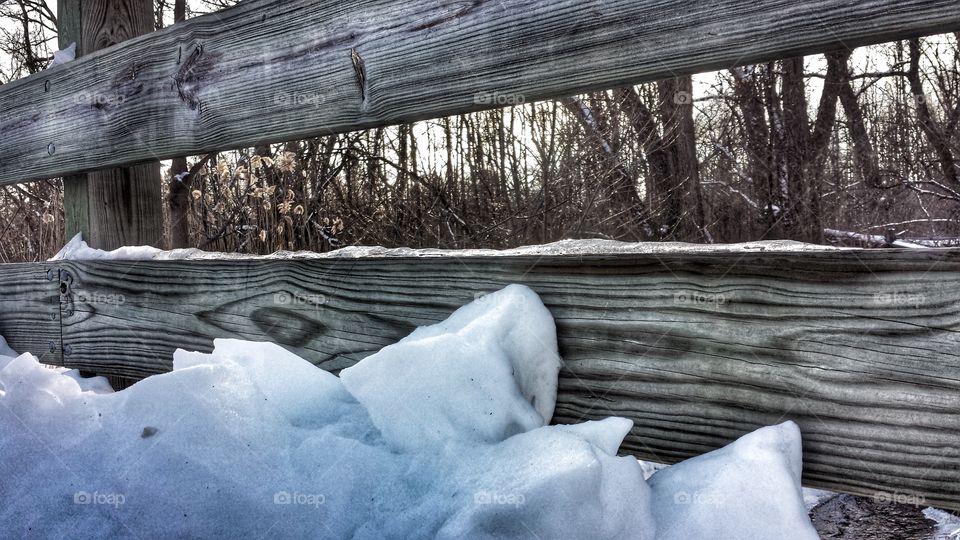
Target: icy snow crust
77, 249
442, 435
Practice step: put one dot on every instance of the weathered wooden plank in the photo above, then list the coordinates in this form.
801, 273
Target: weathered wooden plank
860, 348
122, 206
30, 310
270, 71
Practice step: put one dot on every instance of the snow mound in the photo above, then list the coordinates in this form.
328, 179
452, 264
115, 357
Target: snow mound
441, 435
758, 476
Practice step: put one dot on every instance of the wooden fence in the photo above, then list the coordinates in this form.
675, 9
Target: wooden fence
271, 71
859, 347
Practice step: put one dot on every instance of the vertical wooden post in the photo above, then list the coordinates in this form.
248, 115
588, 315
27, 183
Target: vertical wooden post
120, 206
178, 202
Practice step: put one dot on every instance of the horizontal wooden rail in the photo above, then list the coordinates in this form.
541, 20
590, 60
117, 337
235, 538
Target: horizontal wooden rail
266, 71
860, 348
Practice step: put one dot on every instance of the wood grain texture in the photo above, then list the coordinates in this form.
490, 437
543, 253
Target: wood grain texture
121, 206
30, 310
861, 349
266, 71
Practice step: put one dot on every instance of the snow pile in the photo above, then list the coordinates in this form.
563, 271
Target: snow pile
948, 525
764, 464
442, 435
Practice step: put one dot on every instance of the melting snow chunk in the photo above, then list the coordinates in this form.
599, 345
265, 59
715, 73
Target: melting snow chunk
68, 54
748, 489
498, 376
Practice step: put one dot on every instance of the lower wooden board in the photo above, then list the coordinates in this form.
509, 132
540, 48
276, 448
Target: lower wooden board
860, 348
30, 310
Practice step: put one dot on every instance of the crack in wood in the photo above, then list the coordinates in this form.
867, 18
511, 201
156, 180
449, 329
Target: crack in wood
360, 71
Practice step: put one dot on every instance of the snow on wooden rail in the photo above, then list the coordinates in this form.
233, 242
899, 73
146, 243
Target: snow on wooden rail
266, 71
696, 346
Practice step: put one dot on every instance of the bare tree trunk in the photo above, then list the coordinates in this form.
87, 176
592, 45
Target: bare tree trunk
683, 198
864, 156
749, 91
30, 60
935, 135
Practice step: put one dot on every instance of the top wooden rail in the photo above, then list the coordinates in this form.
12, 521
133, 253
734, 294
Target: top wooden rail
266, 71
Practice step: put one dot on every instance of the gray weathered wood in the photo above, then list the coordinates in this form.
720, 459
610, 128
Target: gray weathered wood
113, 207
116, 207
861, 349
30, 310
76, 202
271, 71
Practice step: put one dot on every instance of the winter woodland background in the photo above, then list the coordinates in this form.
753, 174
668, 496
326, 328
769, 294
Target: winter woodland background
808, 149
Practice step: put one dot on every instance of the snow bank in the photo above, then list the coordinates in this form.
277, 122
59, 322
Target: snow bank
442, 435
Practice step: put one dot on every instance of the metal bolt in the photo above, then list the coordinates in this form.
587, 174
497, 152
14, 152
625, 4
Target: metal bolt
53, 316
52, 345
50, 274
51, 149
67, 350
